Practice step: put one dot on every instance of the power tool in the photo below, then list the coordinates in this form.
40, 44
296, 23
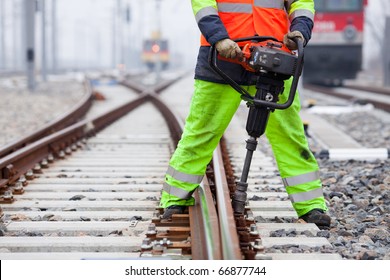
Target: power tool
272, 63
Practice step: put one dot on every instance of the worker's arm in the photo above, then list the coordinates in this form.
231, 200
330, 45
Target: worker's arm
206, 15
301, 15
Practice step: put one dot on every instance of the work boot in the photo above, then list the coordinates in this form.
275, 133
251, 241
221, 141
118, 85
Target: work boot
173, 209
318, 217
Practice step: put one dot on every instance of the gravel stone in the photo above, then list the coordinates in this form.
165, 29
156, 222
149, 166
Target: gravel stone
21, 111
357, 192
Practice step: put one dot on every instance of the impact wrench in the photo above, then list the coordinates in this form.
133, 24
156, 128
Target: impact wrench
272, 63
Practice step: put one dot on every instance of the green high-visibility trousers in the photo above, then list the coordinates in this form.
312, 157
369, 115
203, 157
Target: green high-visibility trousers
212, 108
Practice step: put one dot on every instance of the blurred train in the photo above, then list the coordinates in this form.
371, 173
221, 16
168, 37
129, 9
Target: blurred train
155, 51
334, 53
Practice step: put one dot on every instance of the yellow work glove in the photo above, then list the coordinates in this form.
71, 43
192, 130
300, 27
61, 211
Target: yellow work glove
288, 39
228, 48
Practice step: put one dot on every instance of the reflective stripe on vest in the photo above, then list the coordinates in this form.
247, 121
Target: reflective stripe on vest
304, 196
207, 11
234, 8
300, 13
180, 193
275, 4
301, 179
247, 8
249, 17
183, 177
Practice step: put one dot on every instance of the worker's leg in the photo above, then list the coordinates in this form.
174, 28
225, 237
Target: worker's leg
297, 165
212, 108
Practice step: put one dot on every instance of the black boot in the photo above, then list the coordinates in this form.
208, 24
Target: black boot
318, 217
173, 209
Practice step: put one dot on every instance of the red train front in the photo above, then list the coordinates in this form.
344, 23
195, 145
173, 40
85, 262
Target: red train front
335, 50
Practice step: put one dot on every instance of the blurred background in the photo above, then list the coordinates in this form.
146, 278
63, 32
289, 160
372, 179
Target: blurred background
90, 34
44, 37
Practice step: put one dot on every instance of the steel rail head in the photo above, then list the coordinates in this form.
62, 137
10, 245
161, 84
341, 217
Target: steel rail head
19, 162
219, 241
205, 225
205, 235
381, 103
204, 219
230, 242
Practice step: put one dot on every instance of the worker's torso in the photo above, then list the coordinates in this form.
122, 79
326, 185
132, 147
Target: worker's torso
244, 18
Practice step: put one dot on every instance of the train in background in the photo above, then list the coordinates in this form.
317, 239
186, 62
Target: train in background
155, 51
334, 52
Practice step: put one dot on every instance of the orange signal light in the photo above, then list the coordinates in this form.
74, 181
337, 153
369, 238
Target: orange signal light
155, 48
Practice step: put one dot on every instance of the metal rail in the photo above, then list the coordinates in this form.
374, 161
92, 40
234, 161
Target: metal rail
381, 90
230, 242
21, 156
14, 165
206, 230
68, 118
378, 103
213, 233
206, 219
209, 231
18, 164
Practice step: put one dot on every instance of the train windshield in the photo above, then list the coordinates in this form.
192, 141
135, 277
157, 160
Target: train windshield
338, 5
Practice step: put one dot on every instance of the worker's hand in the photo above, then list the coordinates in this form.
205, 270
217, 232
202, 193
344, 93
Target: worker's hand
289, 42
228, 48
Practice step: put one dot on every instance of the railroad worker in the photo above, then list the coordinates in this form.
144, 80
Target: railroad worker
214, 103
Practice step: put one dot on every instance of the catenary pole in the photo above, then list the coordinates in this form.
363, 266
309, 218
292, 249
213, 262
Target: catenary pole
29, 6
2, 35
54, 35
113, 39
44, 51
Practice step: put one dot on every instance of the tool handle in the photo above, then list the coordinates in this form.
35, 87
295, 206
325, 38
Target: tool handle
245, 95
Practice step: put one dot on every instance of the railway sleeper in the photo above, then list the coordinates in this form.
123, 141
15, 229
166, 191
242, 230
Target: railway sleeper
168, 238
249, 238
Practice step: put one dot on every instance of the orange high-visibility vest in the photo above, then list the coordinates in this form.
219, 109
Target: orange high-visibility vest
244, 18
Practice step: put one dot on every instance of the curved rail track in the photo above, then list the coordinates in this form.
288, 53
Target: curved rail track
378, 97
92, 190
75, 114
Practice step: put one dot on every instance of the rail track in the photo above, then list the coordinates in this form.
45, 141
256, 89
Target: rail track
378, 97
91, 191
68, 118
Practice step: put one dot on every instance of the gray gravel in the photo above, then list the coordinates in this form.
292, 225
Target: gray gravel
371, 129
21, 111
357, 192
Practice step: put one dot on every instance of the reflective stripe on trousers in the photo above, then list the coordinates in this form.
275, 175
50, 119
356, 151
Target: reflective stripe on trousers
306, 178
189, 178
212, 107
180, 176
177, 192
